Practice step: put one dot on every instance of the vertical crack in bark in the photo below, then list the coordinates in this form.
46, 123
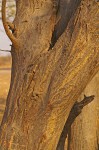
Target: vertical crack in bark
75, 111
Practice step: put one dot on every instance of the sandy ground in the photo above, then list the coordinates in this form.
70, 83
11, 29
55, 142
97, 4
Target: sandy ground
4, 86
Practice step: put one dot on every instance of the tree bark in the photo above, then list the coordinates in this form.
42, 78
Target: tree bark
46, 82
75, 111
84, 131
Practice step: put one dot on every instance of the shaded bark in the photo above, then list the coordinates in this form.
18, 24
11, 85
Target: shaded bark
45, 83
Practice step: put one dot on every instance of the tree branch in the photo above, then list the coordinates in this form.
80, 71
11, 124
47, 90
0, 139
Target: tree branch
11, 26
5, 50
75, 111
5, 24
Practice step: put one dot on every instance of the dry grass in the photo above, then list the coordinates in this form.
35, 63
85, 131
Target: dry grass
5, 62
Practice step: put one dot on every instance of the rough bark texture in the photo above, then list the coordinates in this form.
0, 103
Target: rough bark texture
74, 113
46, 82
85, 129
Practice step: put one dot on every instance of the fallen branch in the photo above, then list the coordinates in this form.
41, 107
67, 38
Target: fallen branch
75, 111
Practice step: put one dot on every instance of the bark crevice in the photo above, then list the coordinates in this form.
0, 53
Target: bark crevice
65, 13
39, 103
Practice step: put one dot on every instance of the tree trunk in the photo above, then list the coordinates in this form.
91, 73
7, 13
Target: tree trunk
85, 129
49, 71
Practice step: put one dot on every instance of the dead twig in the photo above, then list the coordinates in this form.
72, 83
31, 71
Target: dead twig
5, 50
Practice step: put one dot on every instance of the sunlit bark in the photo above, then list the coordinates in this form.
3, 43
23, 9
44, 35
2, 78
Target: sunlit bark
46, 82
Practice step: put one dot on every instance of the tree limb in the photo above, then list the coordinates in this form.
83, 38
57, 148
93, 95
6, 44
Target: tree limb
5, 24
5, 50
75, 111
11, 26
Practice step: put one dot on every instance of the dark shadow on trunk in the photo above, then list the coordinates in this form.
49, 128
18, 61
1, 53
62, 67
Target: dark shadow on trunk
75, 111
66, 10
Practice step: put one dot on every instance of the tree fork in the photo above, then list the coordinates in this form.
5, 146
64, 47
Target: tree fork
45, 84
75, 111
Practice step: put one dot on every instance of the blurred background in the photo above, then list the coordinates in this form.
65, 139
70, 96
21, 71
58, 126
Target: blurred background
5, 57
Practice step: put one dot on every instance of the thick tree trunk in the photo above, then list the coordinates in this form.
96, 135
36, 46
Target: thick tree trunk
85, 129
46, 82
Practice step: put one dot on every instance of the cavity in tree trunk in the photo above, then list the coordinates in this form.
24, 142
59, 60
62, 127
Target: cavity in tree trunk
54, 55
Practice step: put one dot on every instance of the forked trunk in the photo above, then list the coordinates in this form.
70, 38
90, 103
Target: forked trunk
48, 75
85, 130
